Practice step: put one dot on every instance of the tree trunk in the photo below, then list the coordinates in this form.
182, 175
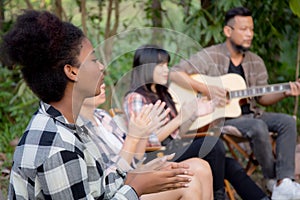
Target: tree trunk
29, 6
113, 5
156, 13
297, 77
58, 8
83, 16
1, 15
157, 22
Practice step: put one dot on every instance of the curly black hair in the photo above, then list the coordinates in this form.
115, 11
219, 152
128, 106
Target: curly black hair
42, 45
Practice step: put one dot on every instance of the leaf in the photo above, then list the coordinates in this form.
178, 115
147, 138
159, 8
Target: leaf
295, 7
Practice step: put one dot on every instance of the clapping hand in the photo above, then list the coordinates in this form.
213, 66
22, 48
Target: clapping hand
149, 119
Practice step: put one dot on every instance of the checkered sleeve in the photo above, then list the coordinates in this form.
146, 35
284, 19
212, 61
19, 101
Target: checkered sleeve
66, 175
133, 103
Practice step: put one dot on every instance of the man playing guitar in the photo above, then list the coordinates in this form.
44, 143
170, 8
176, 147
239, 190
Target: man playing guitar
234, 56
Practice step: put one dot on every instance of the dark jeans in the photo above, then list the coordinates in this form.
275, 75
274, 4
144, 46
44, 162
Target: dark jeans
242, 183
257, 130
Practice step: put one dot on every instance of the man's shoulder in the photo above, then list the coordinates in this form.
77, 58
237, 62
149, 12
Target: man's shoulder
215, 47
214, 50
250, 55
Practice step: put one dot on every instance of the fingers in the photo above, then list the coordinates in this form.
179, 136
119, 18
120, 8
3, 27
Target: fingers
144, 114
159, 115
176, 165
160, 163
155, 164
176, 182
218, 95
295, 88
158, 109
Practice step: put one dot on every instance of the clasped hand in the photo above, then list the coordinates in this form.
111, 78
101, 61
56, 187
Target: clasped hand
159, 175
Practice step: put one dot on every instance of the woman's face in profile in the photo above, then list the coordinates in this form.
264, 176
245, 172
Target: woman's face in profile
161, 74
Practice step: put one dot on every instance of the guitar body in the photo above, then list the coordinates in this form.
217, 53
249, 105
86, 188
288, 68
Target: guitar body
230, 82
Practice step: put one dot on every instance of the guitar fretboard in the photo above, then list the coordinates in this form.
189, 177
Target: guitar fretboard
258, 91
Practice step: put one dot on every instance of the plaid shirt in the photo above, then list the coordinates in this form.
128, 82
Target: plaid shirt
58, 160
214, 61
113, 136
133, 103
109, 124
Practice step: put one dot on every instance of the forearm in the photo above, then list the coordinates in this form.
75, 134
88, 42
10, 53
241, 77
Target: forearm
169, 128
271, 99
129, 148
184, 80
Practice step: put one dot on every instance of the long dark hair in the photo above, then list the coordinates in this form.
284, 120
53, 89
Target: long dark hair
145, 59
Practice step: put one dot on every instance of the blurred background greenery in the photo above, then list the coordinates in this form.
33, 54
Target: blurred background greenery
276, 40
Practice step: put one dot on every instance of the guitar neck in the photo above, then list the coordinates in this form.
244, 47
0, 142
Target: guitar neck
258, 91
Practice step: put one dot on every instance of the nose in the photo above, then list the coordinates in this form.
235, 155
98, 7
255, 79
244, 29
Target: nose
166, 68
101, 68
249, 32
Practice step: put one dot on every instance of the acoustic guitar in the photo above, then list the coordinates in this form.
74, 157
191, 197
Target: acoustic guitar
237, 90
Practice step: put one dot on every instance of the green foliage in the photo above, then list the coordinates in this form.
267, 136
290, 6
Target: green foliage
276, 35
295, 7
275, 40
17, 104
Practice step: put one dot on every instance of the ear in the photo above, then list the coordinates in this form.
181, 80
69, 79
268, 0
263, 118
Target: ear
227, 31
71, 72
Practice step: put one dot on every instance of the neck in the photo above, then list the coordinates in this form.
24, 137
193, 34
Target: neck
69, 105
88, 112
153, 88
236, 54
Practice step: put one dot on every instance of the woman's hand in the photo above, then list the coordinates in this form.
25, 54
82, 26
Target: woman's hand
148, 120
217, 94
204, 107
196, 108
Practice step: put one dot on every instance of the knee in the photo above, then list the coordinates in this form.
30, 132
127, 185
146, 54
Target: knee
260, 131
200, 167
289, 120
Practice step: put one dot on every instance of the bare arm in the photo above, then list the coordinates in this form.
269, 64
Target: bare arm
184, 80
212, 92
